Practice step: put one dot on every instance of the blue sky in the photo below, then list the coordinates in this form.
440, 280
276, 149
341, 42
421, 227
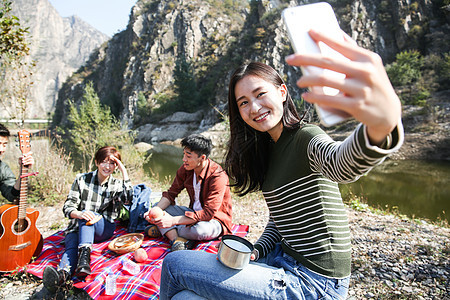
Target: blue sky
108, 16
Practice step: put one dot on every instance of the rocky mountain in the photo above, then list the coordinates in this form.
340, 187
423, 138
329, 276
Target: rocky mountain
58, 45
136, 72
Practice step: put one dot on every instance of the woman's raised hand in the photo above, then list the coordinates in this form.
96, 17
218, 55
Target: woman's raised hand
120, 166
365, 93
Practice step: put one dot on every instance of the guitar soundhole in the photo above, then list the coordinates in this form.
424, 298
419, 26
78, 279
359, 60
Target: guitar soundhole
20, 225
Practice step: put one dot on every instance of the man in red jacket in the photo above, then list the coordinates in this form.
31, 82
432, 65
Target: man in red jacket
209, 213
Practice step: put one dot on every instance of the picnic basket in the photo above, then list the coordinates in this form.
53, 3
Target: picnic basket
126, 243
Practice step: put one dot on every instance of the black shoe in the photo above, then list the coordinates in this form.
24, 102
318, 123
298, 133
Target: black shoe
190, 244
54, 279
84, 262
152, 231
182, 244
178, 244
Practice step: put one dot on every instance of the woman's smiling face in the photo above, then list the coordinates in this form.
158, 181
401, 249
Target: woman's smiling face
260, 104
106, 167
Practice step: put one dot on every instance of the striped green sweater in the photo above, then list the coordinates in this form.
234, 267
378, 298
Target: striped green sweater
306, 211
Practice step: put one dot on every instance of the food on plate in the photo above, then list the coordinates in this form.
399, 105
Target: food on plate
94, 220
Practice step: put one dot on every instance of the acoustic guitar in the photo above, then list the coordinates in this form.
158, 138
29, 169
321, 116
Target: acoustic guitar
20, 240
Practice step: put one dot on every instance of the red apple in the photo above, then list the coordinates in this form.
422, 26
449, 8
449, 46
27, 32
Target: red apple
140, 255
156, 213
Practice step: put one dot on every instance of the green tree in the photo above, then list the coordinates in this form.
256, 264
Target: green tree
185, 86
16, 66
143, 107
406, 69
91, 126
445, 71
13, 35
417, 77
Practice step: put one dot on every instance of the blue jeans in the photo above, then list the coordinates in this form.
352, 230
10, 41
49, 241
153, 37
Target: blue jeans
86, 236
199, 275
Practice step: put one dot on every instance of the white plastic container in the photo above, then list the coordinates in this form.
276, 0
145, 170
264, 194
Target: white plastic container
110, 285
131, 267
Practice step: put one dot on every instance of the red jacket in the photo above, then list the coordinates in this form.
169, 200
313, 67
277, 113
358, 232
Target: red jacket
215, 194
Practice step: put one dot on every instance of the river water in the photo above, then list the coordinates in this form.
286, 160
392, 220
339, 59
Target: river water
413, 188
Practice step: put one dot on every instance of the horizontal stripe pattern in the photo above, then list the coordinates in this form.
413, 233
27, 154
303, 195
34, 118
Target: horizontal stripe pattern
301, 191
309, 215
342, 162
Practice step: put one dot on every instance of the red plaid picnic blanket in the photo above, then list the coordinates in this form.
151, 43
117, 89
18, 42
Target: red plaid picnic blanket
144, 285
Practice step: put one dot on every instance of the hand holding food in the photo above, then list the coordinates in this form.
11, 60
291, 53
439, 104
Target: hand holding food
94, 220
156, 213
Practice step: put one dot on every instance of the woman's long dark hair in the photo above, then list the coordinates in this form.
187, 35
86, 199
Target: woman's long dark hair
248, 149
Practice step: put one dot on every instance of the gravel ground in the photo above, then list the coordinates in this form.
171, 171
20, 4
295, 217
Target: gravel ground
393, 258
398, 259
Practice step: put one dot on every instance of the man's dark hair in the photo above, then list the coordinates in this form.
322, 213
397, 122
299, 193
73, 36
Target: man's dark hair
198, 144
4, 131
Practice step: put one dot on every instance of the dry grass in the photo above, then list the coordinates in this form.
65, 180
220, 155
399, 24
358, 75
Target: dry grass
251, 210
56, 173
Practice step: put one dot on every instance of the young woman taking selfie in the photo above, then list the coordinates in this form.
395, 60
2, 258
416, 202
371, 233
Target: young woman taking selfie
305, 249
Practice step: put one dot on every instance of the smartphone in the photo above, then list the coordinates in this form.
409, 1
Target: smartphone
320, 16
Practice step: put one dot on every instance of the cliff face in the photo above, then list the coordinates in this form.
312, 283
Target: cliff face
388, 27
141, 59
58, 45
214, 38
